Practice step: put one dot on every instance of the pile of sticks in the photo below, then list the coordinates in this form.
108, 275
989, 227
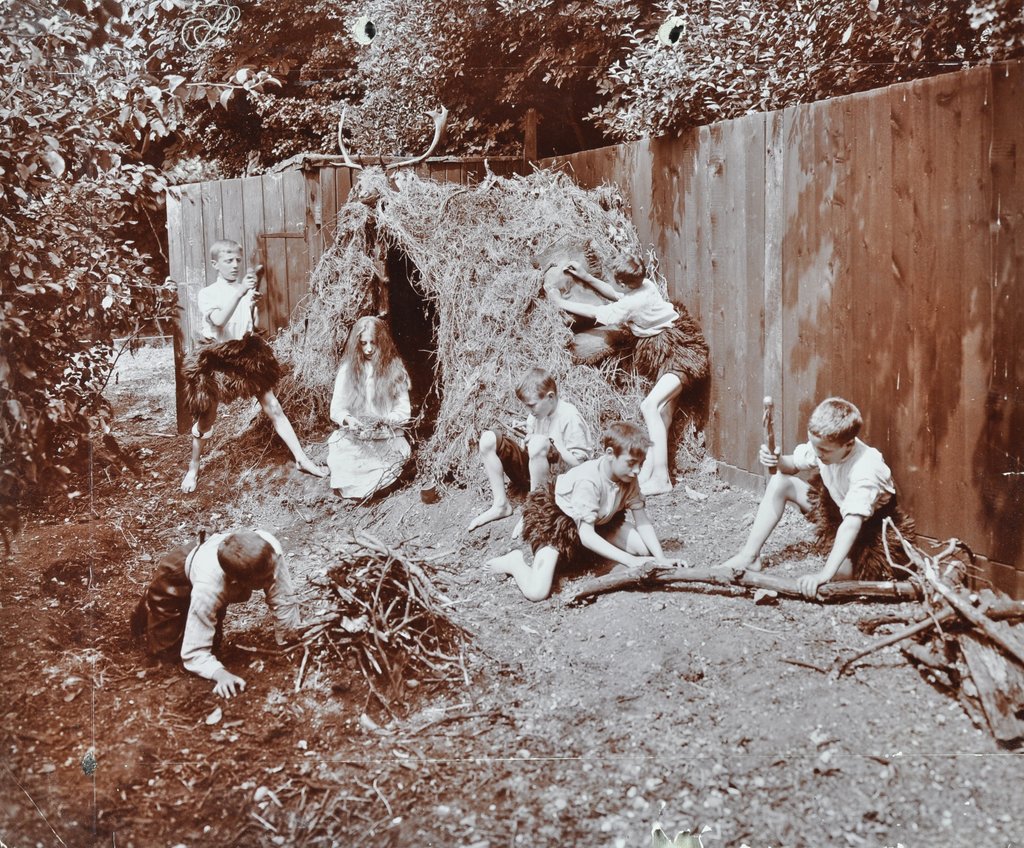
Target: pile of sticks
392, 619
970, 643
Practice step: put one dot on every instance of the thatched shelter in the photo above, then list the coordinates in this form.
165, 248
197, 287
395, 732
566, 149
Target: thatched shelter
458, 270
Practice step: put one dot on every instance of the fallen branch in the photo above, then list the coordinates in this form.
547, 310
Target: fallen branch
898, 636
650, 576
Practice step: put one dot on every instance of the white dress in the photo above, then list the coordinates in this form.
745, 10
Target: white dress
362, 464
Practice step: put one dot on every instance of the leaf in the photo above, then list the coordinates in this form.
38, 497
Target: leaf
173, 83
847, 34
241, 75
55, 161
225, 97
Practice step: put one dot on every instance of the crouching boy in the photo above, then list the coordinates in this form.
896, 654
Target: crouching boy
182, 612
583, 516
556, 437
847, 499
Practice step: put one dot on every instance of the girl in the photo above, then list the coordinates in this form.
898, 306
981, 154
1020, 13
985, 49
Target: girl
370, 405
670, 350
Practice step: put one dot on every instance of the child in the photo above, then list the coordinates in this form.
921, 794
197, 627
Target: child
555, 433
233, 362
585, 510
370, 404
670, 351
846, 500
182, 612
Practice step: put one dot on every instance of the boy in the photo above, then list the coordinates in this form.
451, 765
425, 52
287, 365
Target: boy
234, 362
669, 350
846, 501
182, 612
555, 433
585, 511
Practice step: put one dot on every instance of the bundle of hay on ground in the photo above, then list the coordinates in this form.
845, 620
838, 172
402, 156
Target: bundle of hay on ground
473, 257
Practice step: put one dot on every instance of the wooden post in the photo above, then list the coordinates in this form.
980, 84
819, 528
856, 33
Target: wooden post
530, 137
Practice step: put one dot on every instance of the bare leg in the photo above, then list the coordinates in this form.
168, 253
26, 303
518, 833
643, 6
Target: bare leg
534, 580
203, 425
500, 508
272, 406
657, 409
782, 489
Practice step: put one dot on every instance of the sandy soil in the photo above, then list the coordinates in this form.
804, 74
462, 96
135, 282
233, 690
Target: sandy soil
580, 725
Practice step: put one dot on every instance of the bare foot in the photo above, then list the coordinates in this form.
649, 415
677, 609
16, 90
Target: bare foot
495, 513
743, 562
655, 486
503, 565
309, 467
188, 484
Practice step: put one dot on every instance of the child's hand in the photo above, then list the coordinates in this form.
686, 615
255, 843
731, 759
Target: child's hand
809, 584
228, 684
572, 268
767, 458
249, 281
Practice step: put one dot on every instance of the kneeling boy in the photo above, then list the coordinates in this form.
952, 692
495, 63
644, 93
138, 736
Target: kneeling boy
584, 512
182, 612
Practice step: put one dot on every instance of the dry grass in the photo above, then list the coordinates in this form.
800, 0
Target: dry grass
477, 251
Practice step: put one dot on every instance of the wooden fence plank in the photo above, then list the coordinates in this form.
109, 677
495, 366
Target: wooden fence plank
296, 249
275, 310
252, 223
176, 271
329, 206
772, 370
232, 218
211, 206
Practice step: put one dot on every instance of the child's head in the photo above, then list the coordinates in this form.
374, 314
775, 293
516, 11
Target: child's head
370, 341
630, 271
247, 558
627, 445
226, 257
538, 392
835, 420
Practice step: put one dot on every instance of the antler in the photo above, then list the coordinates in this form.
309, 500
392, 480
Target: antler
355, 166
440, 122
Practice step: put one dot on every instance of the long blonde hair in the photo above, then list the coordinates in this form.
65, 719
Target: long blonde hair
391, 379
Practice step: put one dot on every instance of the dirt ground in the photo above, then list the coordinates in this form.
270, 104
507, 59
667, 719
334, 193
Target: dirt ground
579, 726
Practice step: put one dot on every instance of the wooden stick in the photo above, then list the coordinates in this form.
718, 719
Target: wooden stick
653, 575
898, 636
768, 427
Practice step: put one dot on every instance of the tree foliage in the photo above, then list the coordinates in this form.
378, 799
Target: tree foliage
738, 56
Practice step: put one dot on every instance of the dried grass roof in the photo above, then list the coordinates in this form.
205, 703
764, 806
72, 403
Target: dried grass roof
476, 250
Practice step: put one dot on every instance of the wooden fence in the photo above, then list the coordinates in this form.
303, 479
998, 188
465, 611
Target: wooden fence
283, 221
869, 246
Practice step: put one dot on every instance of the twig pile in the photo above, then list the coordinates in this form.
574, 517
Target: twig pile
964, 640
473, 249
393, 619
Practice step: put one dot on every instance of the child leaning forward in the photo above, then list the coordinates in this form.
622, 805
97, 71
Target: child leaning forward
583, 515
847, 500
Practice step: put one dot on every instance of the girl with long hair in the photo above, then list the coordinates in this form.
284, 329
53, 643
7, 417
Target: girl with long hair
370, 405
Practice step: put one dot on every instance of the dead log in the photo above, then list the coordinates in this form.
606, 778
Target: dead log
1000, 685
651, 576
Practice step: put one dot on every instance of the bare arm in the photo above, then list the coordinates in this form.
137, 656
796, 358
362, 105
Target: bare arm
221, 315
846, 535
785, 464
647, 533
593, 541
604, 289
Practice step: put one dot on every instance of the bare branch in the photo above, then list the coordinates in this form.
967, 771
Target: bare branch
440, 122
355, 166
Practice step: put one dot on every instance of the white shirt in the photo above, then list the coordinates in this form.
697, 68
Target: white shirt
643, 310
859, 484
341, 400
211, 593
587, 493
218, 296
564, 426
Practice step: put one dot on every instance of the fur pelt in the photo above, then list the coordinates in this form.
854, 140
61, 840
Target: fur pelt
545, 525
868, 553
679, 349
226, 371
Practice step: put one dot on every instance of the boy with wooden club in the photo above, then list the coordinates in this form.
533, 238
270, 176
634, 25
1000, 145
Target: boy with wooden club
233, 361
847, 500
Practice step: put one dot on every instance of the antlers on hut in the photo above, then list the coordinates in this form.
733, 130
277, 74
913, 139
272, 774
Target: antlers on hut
440, 118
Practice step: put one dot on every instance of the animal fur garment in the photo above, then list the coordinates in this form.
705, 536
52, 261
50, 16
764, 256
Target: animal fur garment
679, 349
868, 553
223, 372
545, 525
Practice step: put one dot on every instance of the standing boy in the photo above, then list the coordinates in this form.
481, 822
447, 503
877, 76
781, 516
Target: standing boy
556, 434
847, 500
234, 361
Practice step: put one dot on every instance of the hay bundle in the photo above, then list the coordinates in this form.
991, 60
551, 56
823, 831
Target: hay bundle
476, 249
